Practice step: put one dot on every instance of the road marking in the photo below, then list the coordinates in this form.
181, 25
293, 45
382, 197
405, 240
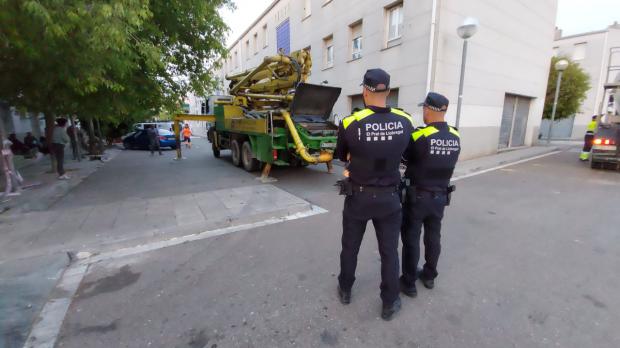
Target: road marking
461, 177
139, 249
46, 328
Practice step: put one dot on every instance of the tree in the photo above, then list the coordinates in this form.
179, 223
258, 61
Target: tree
575, 85
107, 59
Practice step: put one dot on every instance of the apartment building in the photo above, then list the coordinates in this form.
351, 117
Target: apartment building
595, 52
417, 43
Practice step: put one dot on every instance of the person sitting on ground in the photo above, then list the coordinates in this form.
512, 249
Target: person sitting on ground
17, 147
30, 141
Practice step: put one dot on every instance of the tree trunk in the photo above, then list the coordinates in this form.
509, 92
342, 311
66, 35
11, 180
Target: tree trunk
35, 124
5, 112
50, 121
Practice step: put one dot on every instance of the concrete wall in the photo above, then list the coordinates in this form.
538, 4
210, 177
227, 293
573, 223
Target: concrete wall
505, 56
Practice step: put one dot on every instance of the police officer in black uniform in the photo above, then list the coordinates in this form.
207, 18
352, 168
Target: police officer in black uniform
431, 158
372, 142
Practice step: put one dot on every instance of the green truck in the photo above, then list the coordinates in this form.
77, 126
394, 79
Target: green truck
275, 118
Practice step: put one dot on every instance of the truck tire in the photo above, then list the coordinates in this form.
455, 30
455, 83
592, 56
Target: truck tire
250, 163
236, 153
216, 151
596, 165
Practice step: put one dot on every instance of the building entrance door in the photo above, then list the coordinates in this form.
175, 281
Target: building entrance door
514, 121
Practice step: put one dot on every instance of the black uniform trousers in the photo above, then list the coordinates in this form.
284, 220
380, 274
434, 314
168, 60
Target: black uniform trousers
426, 211
588, 141
384, 210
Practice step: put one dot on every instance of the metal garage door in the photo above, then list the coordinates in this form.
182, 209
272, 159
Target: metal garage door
514, 121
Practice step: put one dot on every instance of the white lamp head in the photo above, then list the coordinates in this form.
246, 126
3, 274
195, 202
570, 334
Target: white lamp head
561, 65
468, 28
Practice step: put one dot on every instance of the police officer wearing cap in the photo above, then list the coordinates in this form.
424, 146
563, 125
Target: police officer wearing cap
371, 142
431, 158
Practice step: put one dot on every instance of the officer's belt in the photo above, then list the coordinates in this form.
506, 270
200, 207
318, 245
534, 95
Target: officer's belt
431, 189
375, 189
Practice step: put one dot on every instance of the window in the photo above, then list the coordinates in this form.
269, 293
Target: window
283, 37
394, 22
236, 59
247, 50
580, 51
556, 51
356, 40
307, 8
204, 108
265, 36
255, 43
328, 44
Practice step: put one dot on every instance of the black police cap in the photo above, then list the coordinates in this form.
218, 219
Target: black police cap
436, 102
376, 80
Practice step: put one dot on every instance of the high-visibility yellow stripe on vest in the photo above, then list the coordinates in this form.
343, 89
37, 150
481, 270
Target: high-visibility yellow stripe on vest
403, 114
426, 131
455, 132
358, 116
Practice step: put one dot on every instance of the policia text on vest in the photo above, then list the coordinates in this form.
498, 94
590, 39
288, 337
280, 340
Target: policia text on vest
372, 142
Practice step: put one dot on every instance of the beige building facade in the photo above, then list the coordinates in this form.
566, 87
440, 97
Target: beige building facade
595, 52
416, 42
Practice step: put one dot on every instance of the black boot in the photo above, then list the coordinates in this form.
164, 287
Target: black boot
410, 291
428, 283
344, 296
389, 310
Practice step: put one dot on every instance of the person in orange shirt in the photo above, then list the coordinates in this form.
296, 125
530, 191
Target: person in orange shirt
187, 133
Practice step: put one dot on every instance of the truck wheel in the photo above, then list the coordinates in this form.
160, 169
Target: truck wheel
595, 165
236, 153
216, 151
250, 163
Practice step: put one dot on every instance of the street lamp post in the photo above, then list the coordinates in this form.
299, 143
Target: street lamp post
560, 66
465, 31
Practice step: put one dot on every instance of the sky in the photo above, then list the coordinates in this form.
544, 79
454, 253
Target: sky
574, 16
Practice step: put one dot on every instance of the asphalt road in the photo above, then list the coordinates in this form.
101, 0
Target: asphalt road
530, 259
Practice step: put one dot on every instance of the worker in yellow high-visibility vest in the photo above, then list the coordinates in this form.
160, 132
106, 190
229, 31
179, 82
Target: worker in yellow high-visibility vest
588, 140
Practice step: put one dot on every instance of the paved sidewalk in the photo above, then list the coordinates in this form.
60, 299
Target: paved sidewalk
135, 221
47, 189
503, 158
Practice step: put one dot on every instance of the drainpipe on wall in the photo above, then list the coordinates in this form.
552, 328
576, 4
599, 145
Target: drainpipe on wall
431, 48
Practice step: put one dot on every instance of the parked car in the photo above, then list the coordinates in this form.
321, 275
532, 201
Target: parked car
167, 125
139, 140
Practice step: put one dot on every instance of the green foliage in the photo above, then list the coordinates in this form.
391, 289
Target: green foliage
111, 59
574, 86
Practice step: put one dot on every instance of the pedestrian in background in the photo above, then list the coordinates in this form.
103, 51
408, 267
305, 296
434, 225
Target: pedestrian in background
431, 158
372, 142
187, 136
72, 132
153, 135
59, 140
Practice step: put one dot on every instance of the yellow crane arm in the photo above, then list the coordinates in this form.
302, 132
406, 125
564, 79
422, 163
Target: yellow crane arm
324, 157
